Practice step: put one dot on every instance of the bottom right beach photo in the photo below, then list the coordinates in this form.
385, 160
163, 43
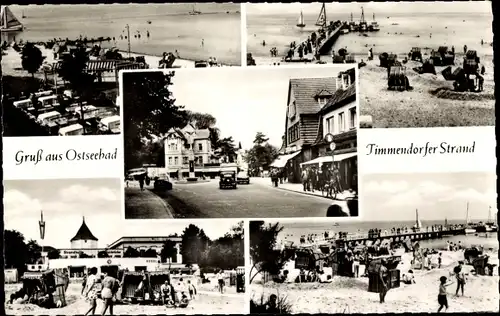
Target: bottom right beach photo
424, 243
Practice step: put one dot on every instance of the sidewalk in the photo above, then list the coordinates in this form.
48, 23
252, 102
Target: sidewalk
145, 204
298, 188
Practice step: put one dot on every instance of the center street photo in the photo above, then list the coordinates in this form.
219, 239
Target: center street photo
240, 143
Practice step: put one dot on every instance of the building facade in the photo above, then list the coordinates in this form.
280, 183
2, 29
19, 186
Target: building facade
145, 243
185, 145
317, 107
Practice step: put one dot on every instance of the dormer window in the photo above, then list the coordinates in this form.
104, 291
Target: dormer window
322, 101
346, 81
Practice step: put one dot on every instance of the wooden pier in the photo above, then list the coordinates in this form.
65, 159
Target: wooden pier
352, 240
328, 43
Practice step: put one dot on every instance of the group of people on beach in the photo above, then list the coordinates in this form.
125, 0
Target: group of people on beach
107, 290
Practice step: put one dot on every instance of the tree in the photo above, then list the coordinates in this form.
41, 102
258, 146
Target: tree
227, 149
15, 250
73, 70
102, 254
169, 251
201, 120
262, 154
265, 258
149, 109
34, 251
194, 245
31, 58
131, 252
149, 253
260, 139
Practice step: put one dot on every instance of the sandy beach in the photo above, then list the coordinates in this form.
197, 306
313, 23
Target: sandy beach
208, 301
350, 295
431, 103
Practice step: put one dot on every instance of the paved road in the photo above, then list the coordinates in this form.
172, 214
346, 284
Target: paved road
206, 200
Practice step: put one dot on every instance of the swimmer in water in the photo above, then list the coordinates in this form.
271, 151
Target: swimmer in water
147, 34
202, 42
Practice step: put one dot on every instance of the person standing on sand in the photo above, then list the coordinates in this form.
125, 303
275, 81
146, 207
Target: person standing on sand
383, 274
90, 292
220, 281
460, 278
442, 296
109, 288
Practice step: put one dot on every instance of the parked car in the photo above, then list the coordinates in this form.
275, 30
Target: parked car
162, 182
243, 177
227, 179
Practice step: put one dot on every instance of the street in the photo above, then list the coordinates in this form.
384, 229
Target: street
205, 200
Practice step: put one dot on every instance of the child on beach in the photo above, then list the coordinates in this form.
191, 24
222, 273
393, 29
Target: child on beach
440, 259
442, 296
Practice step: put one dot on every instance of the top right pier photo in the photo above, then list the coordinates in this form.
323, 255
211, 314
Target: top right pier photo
421, 65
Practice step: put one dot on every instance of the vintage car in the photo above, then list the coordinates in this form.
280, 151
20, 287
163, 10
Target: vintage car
227, 179
243, 177
162, 182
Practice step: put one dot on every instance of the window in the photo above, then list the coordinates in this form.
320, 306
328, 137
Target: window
353, 119
169, 160
293, 133
188, 146
200, 159
322, 101
172, 146
185, 160
330, 125
200, 147
176, 159
341, 122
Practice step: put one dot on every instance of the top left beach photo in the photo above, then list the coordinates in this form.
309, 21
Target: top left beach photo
60, 63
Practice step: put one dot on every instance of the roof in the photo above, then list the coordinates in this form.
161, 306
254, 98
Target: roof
84, 233
198, 133
143, 239
306, 89
70, 128
110, 119
340, 98
47, 97
48, 114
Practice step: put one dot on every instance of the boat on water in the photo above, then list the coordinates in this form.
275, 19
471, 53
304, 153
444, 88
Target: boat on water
374, 27
490, 225
470, 227
418, 224
321, 21
301, 20
194, 11
352, 25
9, 22
363, 25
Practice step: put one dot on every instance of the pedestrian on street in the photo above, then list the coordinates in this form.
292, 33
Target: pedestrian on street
141, 181
305, 178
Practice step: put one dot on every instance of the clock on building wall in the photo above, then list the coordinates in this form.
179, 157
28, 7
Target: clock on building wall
292, 110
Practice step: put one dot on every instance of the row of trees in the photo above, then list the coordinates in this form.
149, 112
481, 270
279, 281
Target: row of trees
150, 109
18, 252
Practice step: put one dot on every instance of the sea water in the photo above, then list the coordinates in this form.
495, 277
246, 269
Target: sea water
400, 30
171, 27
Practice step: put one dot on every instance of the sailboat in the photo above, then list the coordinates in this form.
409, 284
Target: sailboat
9, 22
194, 12
490, 225
363, 26
418, 223
301, 20
374, 25
470, 228
321, 21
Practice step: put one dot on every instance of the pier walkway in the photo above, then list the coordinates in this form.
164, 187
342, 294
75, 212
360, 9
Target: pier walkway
363, 238
325, 47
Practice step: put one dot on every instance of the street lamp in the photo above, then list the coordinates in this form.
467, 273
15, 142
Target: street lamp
329, 140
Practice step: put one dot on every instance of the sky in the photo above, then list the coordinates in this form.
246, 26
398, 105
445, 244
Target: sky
65, 202
244, 101
436, 196
381, 7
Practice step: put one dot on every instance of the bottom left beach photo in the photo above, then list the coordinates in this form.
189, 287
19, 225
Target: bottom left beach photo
68, 251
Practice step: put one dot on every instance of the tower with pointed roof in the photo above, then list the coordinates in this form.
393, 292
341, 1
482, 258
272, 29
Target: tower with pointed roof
84, 239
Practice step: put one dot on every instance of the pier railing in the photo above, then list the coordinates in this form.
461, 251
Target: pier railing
327, 44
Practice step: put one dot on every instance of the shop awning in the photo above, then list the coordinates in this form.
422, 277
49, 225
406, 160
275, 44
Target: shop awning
281, 161
324, 159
